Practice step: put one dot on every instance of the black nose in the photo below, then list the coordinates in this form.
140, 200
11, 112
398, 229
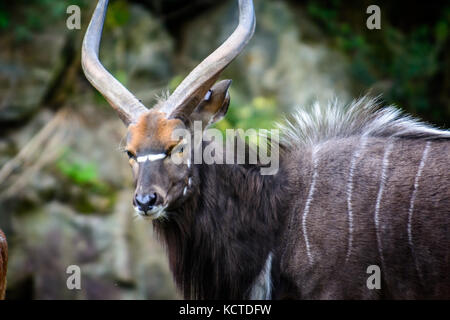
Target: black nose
145, 202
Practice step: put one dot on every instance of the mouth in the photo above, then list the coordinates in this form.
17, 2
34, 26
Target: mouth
155, 213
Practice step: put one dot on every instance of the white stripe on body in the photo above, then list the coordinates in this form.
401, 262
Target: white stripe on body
307, 206
355, 158
411, 205
380, 196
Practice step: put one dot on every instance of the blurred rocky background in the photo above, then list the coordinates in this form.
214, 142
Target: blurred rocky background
65, 185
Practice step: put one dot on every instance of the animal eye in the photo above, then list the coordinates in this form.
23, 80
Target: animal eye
130, 155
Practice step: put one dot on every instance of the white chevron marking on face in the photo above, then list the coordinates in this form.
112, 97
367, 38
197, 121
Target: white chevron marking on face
151, 157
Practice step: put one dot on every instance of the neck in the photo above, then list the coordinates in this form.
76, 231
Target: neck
219, 241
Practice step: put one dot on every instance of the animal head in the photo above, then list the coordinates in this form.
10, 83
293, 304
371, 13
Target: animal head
153, 146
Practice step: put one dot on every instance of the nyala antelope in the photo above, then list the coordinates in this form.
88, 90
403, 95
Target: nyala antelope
357, 186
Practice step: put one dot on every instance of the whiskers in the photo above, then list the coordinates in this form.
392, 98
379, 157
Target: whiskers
158, 213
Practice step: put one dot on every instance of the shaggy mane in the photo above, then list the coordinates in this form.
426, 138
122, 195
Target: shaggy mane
362, 117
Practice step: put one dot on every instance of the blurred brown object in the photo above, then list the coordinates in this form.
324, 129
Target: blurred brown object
3, 264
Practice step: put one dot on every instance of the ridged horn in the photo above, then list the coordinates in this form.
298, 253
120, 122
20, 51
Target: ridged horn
123, 101
194, 87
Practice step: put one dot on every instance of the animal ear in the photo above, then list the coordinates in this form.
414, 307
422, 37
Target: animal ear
214, 105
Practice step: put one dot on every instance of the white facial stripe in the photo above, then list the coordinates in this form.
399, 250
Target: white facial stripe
151, 157
154, 157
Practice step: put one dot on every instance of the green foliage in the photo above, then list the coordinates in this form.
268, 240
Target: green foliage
122, 76
409, 61
260, 113
81, 172
25, 17
118, 14
89, 194
175, 81
4, 20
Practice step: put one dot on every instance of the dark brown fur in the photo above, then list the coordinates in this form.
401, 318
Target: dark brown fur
218, 240
330, 276
220, 233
